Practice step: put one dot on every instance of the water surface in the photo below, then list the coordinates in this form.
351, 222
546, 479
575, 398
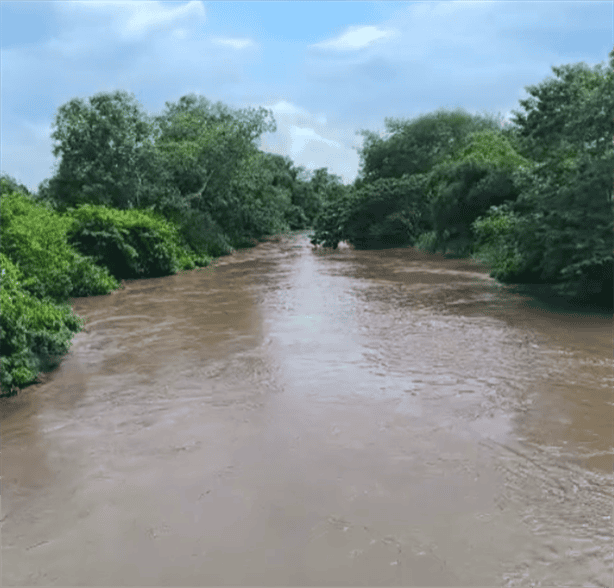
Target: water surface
291, 416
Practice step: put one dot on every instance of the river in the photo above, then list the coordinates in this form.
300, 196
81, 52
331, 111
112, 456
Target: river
293, 416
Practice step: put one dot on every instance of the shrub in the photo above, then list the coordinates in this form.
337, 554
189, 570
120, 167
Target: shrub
495, 244
387, 213
131, 243
34, 333
330, 224
427, 241
199, 232
34, 238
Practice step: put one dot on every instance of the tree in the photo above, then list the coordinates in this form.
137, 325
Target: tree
464, 192
261, 191
565, 228
387, 213
415, 146
466, 183
330, 225
491, 148
326, 185
104, 145
9, 184
567, 115
202, 147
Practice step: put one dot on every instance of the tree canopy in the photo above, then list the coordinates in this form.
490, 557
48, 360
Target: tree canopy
535, 197
416, 145
571, 112
102, 145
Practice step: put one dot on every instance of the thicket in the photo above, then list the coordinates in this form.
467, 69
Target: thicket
387, 213
533, 199
39, 271
34, 332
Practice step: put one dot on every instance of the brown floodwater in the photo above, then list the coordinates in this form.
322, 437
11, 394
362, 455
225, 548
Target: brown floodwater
293, 416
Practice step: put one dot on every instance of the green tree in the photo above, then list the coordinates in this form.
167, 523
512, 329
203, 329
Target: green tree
261, 190
9, 184
461, 188
491, 148
330, 225
415, 146
387, 213
466, 190
568, 114
104, 146
203, 146
327, 186
564, 232
286, 176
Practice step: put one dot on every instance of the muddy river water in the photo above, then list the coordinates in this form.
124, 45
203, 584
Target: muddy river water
301, 417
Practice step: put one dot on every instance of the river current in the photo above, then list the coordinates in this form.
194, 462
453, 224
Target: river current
305, 417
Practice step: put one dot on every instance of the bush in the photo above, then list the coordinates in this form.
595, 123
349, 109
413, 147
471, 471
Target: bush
462, 192
387, 213
34, 333
330, 224
494, 243
34, 239
130, 243
427, 242
199, 232
565, 233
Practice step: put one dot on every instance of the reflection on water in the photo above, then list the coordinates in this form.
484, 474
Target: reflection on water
291, 416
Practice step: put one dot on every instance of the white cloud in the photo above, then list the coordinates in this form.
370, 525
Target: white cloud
234, 43
145, 17
127, 21
301, 136
286, 109
291, 113
356, 38
308, 139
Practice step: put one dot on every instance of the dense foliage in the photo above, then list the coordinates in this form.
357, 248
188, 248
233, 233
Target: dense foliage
34, 238
196, 163
415, 146
387, 213
131, 244
47, 257
34, 333
534, 199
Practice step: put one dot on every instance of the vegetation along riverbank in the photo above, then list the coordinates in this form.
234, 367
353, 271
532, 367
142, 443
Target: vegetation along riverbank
139, 196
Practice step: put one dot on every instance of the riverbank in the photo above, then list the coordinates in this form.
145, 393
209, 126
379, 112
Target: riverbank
49, 258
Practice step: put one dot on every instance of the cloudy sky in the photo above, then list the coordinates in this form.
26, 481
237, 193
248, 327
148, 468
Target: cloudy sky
325, 69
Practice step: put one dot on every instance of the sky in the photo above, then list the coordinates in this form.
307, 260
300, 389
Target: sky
326, 69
